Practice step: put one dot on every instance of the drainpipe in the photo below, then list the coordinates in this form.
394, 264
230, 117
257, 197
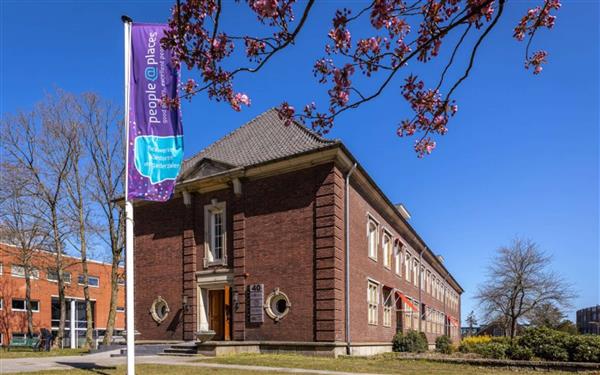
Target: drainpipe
347, 242
420, 289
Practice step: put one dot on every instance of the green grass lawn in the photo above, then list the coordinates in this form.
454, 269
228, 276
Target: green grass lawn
27, 353
383, 364
150, 370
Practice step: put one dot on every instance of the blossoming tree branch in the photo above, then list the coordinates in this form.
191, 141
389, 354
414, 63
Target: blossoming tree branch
354, 70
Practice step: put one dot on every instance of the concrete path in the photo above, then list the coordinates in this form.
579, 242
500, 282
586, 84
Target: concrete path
100, 360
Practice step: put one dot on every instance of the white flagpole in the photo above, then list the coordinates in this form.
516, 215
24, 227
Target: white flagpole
130, 326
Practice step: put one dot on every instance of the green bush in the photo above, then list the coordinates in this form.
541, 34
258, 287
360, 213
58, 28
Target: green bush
584, 348
493, 350
443, 344
519, 353
412, 341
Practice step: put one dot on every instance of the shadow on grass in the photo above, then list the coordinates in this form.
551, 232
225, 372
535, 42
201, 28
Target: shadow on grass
89, 366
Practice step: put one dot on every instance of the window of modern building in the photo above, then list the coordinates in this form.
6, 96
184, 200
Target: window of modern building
372, 238
19, 271
387, 250
20, 305
373, 301
216, 233
93, 281
387, 307
52, 275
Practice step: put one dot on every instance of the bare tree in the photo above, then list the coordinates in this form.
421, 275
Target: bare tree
102, 124
471, 321
518, 282
79, 208
33, 144
21, 227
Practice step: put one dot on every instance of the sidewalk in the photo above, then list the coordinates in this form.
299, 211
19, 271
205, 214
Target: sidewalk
100, 360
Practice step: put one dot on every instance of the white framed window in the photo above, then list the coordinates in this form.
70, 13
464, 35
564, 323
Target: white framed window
20, 305
422, 278
17, 270
1, 268
407, 260
397, 259
52, 275
215, 234
1, 303
1, 339
415, 271
387, 308
372, 238
387, 250
428, 282
93, 281
373, 301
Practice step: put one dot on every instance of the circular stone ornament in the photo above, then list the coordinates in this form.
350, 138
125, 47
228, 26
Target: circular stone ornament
277, 305
159, 310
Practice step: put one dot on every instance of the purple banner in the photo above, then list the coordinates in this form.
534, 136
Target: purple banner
155, 146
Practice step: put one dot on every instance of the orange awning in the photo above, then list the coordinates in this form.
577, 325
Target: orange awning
407, 301
453, 320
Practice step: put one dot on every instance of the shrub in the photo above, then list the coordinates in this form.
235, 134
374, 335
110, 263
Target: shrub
520, 353
494, 350
468, 344
584, 348
547, 343
443, 344
412, 341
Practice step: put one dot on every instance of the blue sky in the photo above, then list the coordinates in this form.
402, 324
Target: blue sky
520, 158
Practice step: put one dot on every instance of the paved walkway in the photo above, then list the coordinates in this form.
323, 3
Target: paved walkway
100, 360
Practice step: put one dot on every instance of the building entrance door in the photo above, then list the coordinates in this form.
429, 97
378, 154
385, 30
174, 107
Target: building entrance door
216, 315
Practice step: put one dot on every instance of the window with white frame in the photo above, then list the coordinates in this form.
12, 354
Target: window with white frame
387, 250
19, 271
21, 305
1, 303
373, 301
215, 233
372, 238
428, 282
407, 261
422, 278
415, 314
388, 300
52, 275
407, 315
93, 281
415, 270
397, 258
1, 268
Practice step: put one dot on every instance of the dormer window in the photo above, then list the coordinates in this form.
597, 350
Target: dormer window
215, 234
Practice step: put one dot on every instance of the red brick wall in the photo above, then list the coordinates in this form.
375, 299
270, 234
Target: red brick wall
284, 231
159, 267
362, 267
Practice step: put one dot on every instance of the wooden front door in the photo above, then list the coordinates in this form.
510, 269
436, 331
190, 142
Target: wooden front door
216, 318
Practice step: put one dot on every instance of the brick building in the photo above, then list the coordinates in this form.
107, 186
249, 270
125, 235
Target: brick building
278, 238
44, 297
588, 320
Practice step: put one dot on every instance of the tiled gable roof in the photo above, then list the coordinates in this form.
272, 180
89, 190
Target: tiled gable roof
260, 140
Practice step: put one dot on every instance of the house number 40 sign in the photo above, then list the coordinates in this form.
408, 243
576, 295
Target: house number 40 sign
257, 296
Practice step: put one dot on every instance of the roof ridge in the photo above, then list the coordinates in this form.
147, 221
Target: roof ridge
311, 133
226, 136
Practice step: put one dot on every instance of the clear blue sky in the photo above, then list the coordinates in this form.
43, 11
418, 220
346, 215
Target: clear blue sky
521, 156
